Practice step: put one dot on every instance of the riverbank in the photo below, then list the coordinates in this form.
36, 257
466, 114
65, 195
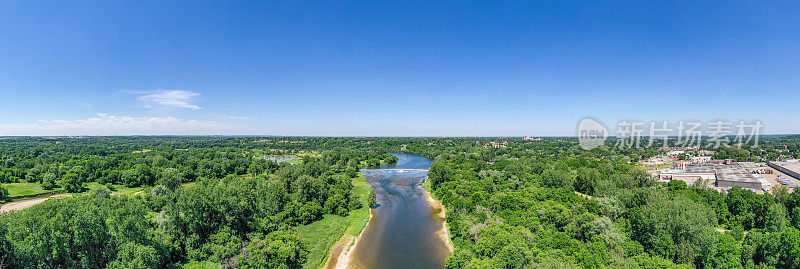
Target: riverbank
341, 252
438, 210
406, 231
326, 236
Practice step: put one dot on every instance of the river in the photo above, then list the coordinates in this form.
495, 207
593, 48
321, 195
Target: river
403, 232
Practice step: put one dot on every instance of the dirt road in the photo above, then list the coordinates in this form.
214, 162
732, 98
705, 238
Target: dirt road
22, 204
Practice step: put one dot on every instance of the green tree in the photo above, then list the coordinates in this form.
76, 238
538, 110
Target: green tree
281, 249
775, 220
796, 217
135, 256
170, 178
373, 199
439, 172
790, 249
727, 253
556, 178
100, 192
587, 180
48, 181
222, 245
665, 222
72, 182
3, 192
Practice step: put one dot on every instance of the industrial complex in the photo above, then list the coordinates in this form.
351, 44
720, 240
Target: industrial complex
791, 168
727, 174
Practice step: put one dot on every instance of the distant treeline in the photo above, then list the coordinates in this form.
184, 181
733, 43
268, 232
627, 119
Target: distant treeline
150, 161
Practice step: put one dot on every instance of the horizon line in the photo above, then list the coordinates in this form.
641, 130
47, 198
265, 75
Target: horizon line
343, 136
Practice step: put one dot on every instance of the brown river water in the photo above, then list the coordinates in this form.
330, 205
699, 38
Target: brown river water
403, 232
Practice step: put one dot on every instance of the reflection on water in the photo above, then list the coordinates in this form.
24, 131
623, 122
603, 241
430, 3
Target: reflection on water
402, 233
408, 161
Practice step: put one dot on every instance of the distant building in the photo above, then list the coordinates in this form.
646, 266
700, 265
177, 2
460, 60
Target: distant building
658, 159
686, 173
531, 138
728, 161
751, 166
700, 159
723, 176
789, 167
705, 152
729, 176
496, 145
676, 152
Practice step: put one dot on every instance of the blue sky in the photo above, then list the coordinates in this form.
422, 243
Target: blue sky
400, 68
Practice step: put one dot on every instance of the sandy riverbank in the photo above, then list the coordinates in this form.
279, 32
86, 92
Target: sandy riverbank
438, 209
25, 203
340, 254
339, 257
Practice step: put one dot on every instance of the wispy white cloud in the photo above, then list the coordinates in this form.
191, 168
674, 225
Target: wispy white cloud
168, 98
231, 117
104, 124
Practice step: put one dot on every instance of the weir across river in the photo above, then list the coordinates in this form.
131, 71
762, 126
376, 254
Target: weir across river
404, 229
395, 169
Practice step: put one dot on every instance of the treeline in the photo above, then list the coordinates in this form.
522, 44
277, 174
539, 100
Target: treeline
240, 212
148, 161
232, 221
517, 208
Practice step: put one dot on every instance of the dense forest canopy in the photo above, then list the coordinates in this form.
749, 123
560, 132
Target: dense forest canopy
239, 211
523, 205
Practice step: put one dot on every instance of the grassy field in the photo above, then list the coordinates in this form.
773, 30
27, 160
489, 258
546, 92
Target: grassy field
322, 234
304, 153
310, 153
360, 217
26, 189
118, 189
